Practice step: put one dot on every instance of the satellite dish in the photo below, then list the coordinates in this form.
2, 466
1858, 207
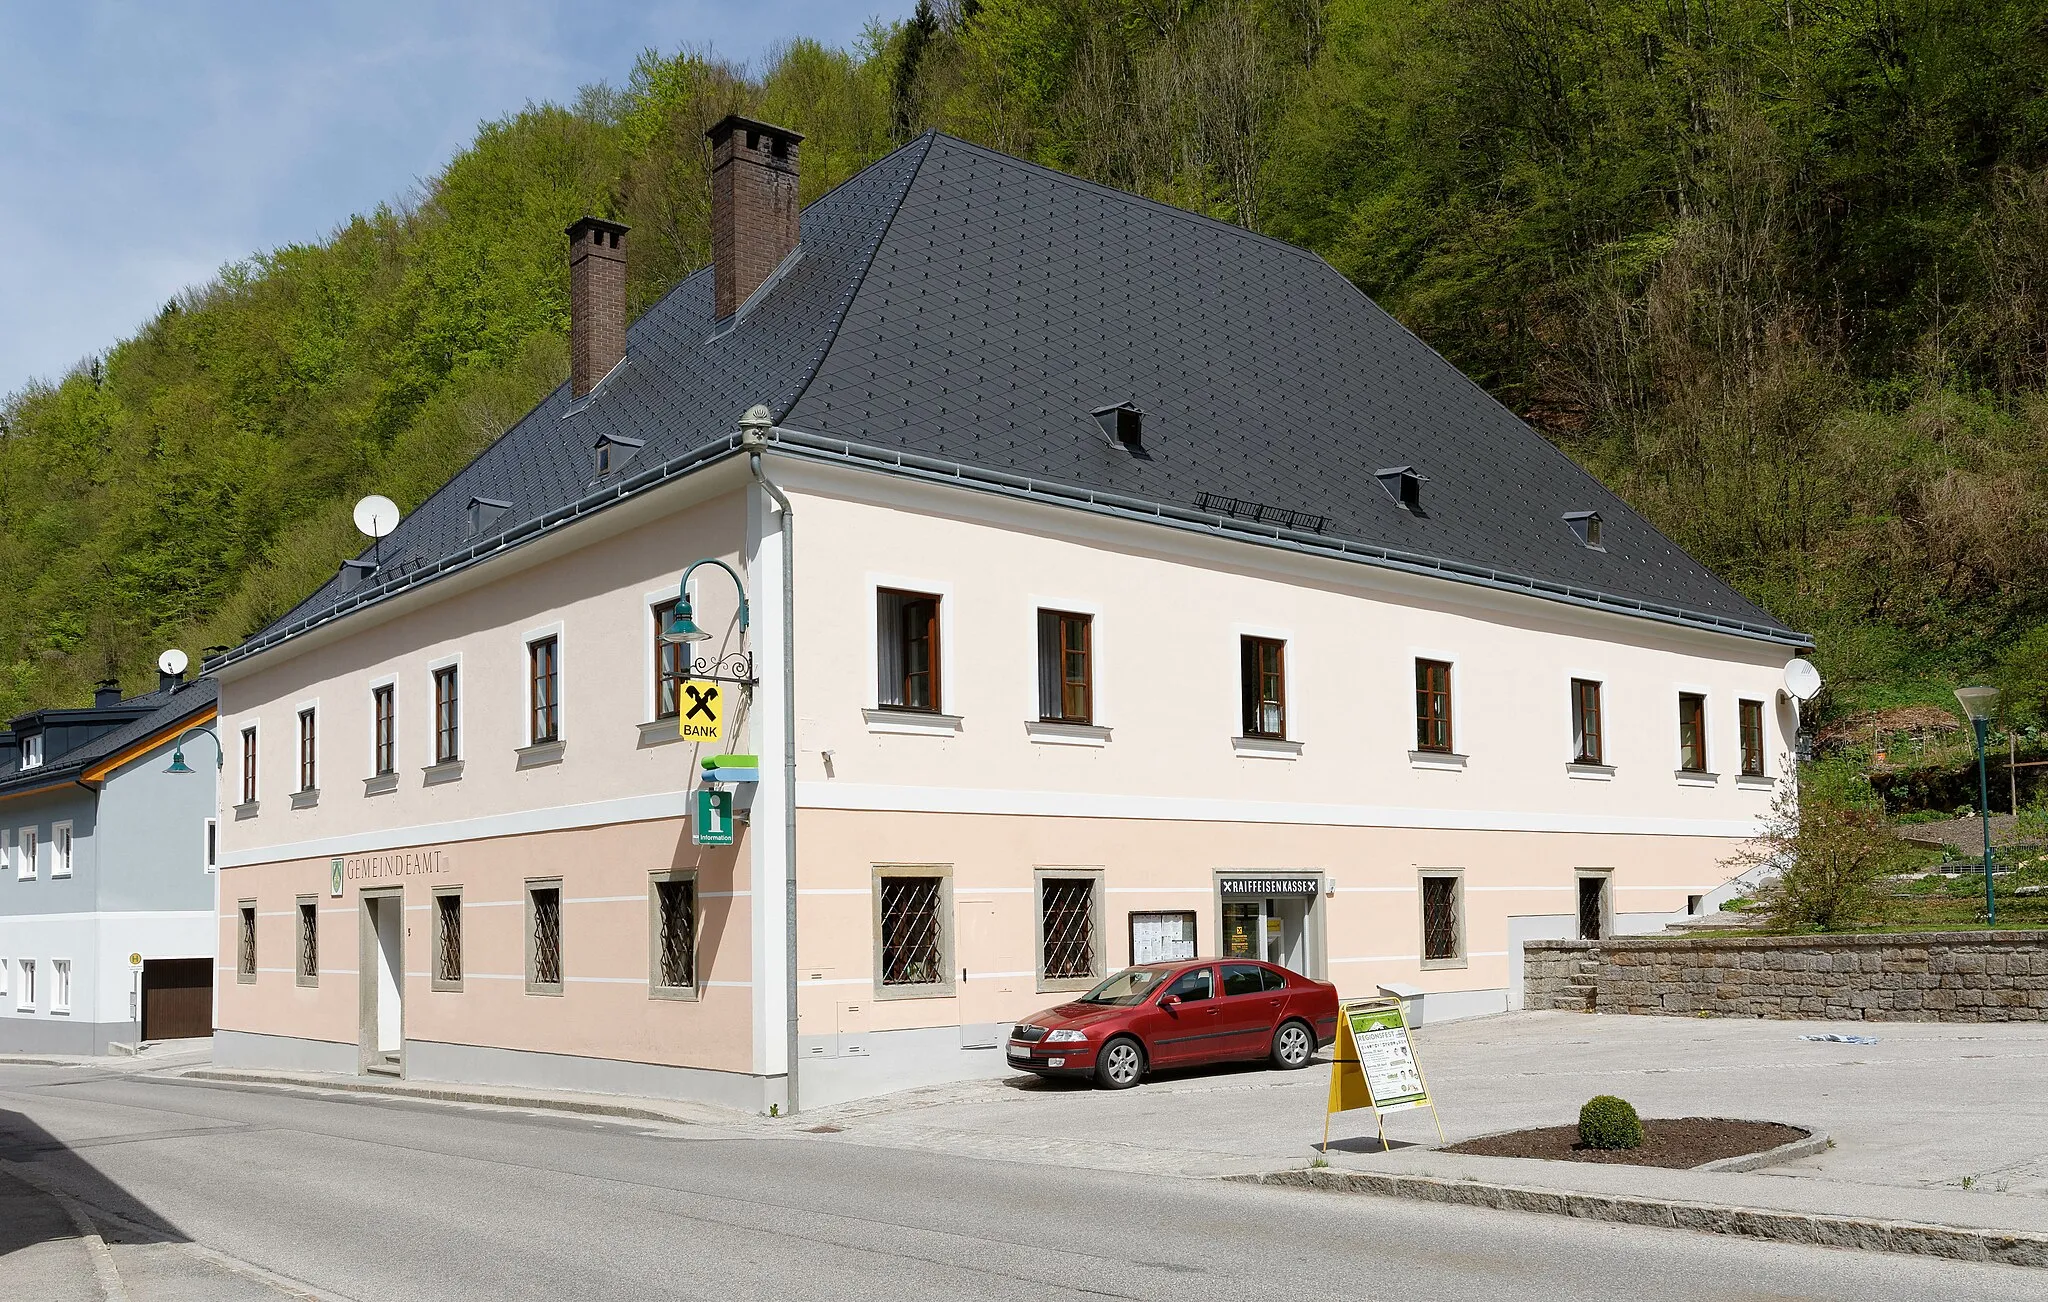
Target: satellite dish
172, 662
1802, 680
376, 516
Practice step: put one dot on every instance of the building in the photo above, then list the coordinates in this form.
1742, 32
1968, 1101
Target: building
1151, 590
106, 872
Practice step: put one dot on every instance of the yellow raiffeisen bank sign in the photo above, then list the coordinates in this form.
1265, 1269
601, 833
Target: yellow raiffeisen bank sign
703, 711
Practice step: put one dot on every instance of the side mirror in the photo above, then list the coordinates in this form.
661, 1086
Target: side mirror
1171, 1003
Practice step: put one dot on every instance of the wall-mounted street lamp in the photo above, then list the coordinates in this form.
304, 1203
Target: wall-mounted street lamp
178, 764
682, 626
1978, 703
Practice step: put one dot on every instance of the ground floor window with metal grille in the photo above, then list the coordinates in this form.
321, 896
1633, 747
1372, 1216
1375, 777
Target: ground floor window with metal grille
245, 947
544, 938
448, 940
674, 915
1443, 922
1069, 937
912, 927
1592, 906
309, 942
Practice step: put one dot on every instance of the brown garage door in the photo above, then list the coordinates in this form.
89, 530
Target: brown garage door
177, 998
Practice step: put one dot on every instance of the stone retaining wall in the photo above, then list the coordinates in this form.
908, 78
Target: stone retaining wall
1949, 976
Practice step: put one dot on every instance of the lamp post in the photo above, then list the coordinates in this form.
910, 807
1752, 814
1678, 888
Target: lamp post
1978, 703
682, 625
178, 764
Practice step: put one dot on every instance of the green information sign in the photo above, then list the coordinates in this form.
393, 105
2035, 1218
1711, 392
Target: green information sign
713, 823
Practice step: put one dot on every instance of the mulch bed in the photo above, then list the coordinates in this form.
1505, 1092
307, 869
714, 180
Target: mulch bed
1670, 1142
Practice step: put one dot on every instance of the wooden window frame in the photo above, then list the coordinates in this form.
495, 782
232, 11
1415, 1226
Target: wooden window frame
544, 690
1428, 721
1748, 712
671, 666
447, 714
309, 750
905, 641
1692, 711
1253, 678
249, 754
1063, 623
384, 729
1589, 744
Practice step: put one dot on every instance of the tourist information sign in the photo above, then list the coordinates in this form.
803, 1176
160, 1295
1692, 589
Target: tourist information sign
713, 823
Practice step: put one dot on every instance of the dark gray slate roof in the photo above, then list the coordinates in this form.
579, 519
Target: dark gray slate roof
954, 311
160, 709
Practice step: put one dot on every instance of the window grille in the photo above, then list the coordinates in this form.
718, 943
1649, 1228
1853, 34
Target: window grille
1587, 742
1264, 681
547, 935
671, 667
245, 953
1433, 706
309, 776
1067, 917
545, 698
384, 706
448, 938
309, 939
1065, 667
1439, 917
677, 903
907, 650
1692, 733
1592, 907
447, 716
1752, 721
913, 939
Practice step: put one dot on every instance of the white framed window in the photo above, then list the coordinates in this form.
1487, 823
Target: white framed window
541, 688
3, 978
60, 985
60, 850
25, 985
32, 751
210, 848
25, 855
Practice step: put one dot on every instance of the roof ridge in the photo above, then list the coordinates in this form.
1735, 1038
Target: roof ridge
867, 262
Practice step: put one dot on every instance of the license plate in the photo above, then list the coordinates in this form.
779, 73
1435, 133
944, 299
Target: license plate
1019, 1051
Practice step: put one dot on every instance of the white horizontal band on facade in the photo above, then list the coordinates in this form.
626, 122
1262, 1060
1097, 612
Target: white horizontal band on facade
833, 890
519, 822
1382, 958
838, 981
878, 798
972, 975
133, 915
1385, 890
729, 985
1552, 888
1159, 890
606, 899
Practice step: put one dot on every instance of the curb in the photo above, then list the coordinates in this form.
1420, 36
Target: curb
443, 1094
1816, 1141
1956, 1243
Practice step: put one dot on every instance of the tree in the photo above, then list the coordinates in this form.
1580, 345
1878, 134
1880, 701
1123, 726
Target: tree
1832, 849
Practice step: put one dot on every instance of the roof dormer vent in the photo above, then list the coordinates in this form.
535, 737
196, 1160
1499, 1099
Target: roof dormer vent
354, 574
483, 513
1123, 425
1404, 485
614, 451
1586, 525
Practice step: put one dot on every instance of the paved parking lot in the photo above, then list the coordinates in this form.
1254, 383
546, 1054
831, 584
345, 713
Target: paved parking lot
1927, 1107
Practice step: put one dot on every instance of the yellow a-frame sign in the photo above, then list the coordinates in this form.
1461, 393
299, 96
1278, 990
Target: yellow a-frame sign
1373, 1065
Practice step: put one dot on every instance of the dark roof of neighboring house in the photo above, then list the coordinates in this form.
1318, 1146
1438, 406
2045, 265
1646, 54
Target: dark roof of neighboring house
957, 314
160, 710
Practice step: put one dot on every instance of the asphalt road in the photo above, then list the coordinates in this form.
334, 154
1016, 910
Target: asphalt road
212, 1191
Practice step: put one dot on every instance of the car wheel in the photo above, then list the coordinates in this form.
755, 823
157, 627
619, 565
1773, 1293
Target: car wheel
1293, 1045
1121, 1064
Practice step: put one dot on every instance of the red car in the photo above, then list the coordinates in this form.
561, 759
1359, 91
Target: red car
1179, 1015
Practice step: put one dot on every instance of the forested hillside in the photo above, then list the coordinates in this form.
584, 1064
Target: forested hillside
1775, 269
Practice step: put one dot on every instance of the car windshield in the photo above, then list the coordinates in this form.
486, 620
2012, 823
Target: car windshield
1128, 987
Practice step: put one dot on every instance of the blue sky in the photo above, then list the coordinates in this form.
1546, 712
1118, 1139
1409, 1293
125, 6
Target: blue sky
144, 145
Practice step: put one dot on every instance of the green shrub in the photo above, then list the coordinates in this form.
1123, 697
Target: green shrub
1609, 1122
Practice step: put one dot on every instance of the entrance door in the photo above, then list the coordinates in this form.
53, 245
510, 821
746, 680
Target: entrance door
990, 958
1593, 907
1272, 928
383, 980
177, 998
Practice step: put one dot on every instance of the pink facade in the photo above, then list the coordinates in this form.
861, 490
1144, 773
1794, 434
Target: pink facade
1316, 840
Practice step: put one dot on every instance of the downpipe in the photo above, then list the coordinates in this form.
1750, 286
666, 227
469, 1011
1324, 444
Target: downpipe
754, 437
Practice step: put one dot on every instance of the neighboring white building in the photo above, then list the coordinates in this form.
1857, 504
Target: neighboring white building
1152, 592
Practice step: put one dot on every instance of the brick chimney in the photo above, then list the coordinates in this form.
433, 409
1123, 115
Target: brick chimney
753, 206
597, 301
